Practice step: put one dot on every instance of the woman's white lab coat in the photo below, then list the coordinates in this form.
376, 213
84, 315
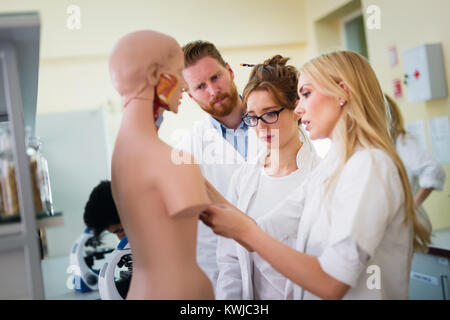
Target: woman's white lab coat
218, 160
235, 263
423, 171
358, 232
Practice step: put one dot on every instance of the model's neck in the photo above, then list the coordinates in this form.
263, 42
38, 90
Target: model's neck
138, 116
283, 160
234, 119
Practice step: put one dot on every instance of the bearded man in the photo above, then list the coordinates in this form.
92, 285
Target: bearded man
218, 142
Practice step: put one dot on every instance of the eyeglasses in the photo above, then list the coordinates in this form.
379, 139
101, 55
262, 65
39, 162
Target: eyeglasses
268, 117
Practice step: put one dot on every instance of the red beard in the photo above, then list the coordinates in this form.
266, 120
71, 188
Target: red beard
226, 107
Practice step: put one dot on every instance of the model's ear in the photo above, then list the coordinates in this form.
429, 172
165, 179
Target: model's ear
153, 74
230, 70
166, 86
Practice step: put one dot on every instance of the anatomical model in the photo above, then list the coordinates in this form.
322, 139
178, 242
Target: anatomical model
159, 202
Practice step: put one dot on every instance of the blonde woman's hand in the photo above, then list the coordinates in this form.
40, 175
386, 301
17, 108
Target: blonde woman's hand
229, 222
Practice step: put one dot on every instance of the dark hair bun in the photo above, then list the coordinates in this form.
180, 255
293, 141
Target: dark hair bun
276, 76
276, 60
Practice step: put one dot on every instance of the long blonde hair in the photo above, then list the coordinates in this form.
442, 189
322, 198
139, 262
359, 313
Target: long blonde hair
396, 123
363, 120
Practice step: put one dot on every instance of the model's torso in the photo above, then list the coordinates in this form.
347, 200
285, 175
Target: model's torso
163, 247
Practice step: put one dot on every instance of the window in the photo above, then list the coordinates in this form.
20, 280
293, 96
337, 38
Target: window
354, 35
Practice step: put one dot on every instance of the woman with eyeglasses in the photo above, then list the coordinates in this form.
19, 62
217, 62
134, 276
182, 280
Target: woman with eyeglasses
270, 98
358, 227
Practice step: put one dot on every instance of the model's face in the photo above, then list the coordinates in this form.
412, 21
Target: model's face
211, 85
260, 102
117, 229
319, 112
176, 68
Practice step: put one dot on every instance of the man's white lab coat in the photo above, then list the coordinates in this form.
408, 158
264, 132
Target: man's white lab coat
218, 160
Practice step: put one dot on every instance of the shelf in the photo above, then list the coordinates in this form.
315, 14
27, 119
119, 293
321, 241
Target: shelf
13, 226
19, 64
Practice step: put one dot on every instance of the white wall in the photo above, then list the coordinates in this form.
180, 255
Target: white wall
228, 23
73, 72
74, 78
76, 148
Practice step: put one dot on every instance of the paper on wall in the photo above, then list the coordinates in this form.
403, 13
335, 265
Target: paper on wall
440, 138
417, 130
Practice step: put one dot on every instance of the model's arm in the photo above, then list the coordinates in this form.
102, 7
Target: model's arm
214, 195
181, 185
302, 269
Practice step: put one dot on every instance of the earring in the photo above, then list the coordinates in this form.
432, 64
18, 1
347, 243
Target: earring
342, 103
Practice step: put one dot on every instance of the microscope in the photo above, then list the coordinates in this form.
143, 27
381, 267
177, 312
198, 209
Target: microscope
85, 251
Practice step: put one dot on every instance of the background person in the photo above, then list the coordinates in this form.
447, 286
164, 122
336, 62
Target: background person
100, 212
425, 174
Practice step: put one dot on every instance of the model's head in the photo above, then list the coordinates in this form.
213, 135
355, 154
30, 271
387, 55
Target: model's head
100, 212
395, 118
210, 80
143, 59
271, 93
341, 99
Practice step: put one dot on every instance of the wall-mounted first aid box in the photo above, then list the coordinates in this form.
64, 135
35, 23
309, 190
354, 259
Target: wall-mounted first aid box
425, 73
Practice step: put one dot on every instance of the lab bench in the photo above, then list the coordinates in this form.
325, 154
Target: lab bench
58, 279
430, 272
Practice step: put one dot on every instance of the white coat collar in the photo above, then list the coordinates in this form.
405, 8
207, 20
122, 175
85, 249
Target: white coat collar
305, 151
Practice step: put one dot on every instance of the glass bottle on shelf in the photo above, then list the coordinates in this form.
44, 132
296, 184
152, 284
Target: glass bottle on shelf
2, 208
9, 196
2, 156
42, 194
48, 202
36, 188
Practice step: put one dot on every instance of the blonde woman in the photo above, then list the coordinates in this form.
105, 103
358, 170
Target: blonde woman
425, 174
358, 227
